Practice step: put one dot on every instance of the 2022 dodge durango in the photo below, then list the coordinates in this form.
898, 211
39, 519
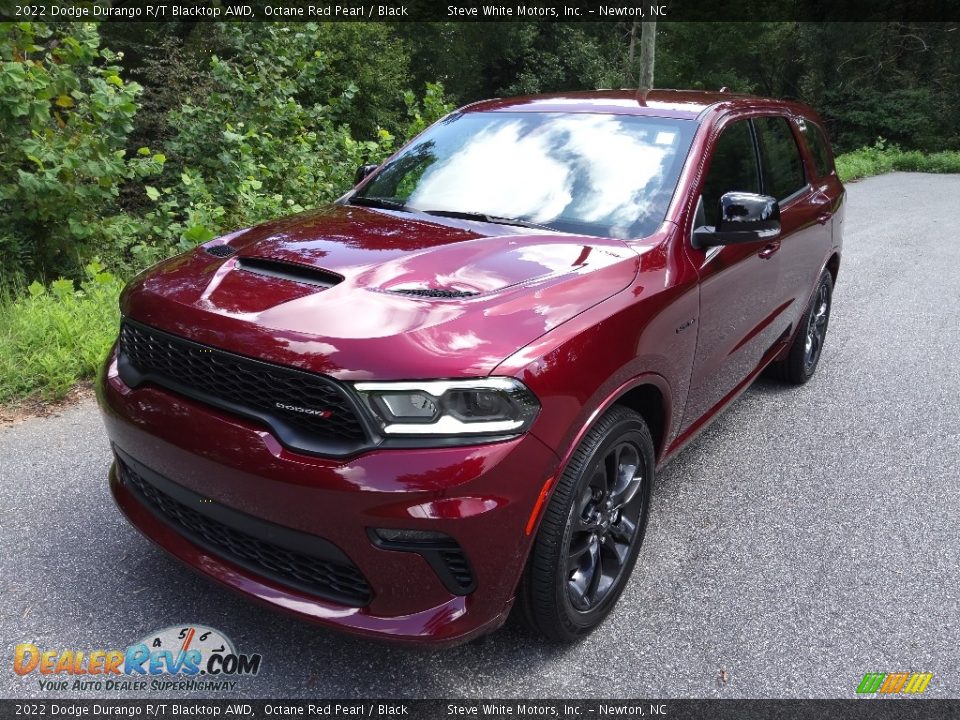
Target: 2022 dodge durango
445, 395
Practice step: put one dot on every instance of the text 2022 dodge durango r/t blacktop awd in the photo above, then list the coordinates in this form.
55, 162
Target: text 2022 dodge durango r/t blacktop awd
445, 396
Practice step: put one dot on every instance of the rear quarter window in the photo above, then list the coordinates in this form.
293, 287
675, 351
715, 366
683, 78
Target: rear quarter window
819, 147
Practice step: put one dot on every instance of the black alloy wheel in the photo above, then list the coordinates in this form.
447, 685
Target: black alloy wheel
591, 531
605, 521
817, 319
807, 347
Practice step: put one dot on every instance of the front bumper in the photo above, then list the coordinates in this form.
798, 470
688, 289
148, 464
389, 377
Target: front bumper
481, 496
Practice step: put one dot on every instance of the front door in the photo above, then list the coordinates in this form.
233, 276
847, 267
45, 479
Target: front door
739, 284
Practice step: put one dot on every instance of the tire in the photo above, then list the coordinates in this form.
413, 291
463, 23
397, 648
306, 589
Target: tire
586, 547
802, 358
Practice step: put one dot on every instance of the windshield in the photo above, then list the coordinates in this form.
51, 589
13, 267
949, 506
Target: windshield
591, 174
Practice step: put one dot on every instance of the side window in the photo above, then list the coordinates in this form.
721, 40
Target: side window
780, 157
819, 148
732, 169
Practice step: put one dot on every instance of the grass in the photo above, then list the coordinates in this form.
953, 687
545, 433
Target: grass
55, 336
882, 158
52, 337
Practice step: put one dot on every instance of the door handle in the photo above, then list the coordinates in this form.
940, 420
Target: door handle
826, 211
769, 249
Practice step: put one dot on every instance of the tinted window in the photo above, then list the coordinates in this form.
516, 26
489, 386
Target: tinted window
595, 174
732, 169
819, 148
782, 166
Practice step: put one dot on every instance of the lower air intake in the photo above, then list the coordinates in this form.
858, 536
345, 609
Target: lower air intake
304, 562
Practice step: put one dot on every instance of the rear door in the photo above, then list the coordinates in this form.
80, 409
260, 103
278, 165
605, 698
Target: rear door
805, 212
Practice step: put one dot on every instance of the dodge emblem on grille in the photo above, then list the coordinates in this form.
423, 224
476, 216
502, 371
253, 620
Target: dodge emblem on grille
305, 411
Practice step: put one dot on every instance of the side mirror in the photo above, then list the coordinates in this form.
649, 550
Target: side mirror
362, 173
744, 218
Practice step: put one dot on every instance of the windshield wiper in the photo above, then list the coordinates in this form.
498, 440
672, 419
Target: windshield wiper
377, 202
483, 217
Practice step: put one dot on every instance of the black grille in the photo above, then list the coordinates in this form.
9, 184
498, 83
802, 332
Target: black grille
221, 251
432, 293
306, 411
339, 581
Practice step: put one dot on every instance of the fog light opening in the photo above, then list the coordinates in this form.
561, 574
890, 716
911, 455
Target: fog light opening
442, 553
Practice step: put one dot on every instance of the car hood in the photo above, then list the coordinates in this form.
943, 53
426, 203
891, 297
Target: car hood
359, 293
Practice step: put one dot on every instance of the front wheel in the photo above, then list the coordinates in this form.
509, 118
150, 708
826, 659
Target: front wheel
804, 354
591, 531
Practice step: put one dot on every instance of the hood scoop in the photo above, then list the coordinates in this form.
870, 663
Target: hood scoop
289, 271
432, 293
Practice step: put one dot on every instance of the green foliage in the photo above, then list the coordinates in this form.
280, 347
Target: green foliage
882, 157
276, 122
741, 56
558, 57
906, 116
65, 115
362, 61
423, 112
171, 62
272, 135
52, 336
898, 80
478, 60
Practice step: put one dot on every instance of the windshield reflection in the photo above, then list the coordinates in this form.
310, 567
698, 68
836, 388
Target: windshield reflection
594, 174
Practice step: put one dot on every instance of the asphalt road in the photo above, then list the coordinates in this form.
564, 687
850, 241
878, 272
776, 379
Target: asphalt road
809, 536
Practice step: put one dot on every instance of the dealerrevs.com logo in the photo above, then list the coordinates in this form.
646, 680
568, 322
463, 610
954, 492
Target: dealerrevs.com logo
181, 657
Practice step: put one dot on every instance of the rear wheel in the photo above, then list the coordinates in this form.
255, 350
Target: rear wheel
591, 530
804, 355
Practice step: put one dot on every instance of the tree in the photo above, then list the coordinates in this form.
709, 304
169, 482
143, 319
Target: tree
648, 49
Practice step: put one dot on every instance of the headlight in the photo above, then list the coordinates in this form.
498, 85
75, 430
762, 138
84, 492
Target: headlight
485, 406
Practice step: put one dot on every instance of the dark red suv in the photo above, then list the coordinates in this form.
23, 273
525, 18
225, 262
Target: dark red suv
448, 392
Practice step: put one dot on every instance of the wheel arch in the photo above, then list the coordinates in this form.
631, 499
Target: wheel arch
833, 265
648, 400
648, 394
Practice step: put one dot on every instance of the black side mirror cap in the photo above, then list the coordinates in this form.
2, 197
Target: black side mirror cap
362, 172
744, 218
